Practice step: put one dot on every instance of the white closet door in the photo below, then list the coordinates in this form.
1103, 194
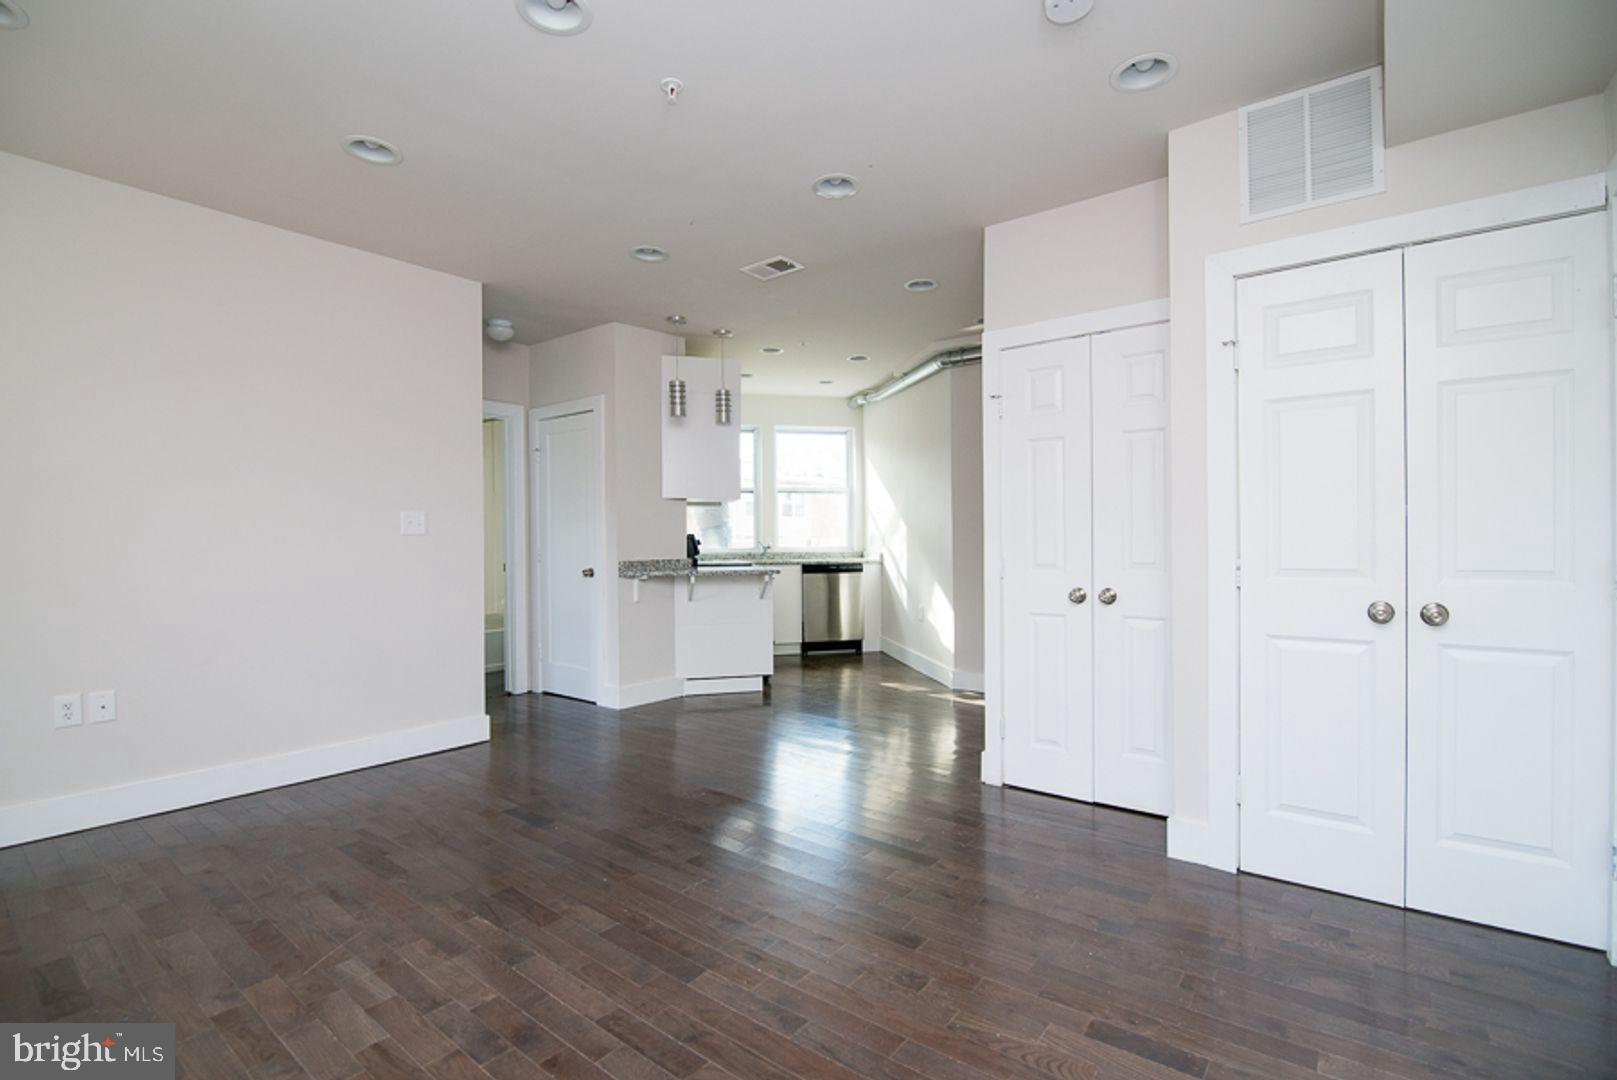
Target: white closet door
1044, 525
1132, 736
1322, 538
567, 509
1510, 528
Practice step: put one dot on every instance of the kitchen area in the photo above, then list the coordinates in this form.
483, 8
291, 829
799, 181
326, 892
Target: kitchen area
739, 601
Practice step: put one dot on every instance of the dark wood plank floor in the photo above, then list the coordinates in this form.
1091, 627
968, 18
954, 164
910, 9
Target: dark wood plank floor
816, 887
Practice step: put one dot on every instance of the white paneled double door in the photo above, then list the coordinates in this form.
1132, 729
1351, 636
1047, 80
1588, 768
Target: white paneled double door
1427, 577
1084, 544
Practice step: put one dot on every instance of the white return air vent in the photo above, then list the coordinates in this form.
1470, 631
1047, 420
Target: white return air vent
770, 269
1316, 146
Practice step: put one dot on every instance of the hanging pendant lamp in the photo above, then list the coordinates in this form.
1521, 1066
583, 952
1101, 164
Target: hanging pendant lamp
723, 404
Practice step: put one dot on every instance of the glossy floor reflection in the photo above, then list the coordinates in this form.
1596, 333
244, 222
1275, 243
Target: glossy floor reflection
812, 886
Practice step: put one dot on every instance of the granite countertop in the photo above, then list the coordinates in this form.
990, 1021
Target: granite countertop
681, 568
784, 558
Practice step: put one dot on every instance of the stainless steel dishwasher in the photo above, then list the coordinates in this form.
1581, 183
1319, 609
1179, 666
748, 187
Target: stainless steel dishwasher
833, 607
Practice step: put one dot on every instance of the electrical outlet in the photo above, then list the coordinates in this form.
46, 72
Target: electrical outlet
100, 706
412, 523
67, 710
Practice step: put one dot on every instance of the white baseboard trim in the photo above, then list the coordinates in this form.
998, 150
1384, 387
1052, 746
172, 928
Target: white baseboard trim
970, 681
740, 684
927, 666
1192, 841
25, 822
641, 693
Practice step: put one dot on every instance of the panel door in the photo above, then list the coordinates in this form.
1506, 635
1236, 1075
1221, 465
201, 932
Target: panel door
1044, 524
1510, 528
1320, 392
567, 512
1132, 736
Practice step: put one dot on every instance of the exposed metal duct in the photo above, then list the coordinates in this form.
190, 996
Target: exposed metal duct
938, 361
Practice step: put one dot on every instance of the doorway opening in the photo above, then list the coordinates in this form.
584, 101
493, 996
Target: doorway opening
505, 614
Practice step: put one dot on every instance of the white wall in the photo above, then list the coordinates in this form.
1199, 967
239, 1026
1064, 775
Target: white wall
1550, 144
208, 428
1100, 253
924, 520
766, 412
966, 488
622, 364
506, 372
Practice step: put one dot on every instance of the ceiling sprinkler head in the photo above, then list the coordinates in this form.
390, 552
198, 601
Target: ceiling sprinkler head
672, 88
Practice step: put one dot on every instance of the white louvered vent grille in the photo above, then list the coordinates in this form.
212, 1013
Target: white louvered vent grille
1316, 146
771, 268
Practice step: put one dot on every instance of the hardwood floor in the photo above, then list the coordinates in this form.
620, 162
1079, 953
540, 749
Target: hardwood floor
813, 887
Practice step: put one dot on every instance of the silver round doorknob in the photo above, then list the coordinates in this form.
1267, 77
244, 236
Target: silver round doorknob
1381, 612
1107, 596
1434, 614
1077, 596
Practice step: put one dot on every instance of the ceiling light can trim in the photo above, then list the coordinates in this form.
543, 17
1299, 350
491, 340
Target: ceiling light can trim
920, 284
1144, 72
772, 350
858, 358
648, 253
371, 150
836, 186
12, 17
563, 19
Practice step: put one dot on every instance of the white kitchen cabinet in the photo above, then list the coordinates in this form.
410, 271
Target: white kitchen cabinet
788, 590
722, 632
699, 455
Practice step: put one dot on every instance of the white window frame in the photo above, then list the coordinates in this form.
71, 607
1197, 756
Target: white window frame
849, 437
756, 491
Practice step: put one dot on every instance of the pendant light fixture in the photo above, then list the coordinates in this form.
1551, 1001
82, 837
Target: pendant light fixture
676, 394
723, 403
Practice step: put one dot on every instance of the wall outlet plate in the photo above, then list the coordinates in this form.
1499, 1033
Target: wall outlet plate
101, 706
412, 523
1063, 12
67, 710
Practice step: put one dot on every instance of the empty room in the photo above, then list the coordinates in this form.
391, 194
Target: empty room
739, 540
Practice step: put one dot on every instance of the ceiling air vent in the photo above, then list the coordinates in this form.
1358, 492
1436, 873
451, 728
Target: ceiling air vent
769, 269
1316, 146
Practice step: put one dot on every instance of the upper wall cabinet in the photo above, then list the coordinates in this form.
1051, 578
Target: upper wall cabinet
699, 453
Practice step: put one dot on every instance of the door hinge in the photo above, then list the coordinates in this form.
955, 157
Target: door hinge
1235, 353
1240, 791
1237, 573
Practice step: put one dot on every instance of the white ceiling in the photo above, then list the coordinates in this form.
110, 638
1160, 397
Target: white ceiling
534, 162
1454, 63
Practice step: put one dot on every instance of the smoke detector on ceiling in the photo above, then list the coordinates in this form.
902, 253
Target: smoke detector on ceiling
772, 268
1064, 12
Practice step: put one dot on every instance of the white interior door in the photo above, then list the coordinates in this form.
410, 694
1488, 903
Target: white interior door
1510, 528
1045, 543
1132, 735
1320, 392
567, 501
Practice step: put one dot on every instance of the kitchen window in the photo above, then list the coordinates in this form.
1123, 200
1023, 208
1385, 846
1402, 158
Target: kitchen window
813, 492
731, 526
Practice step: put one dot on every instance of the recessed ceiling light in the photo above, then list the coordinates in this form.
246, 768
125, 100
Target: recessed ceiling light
1144, 72
648, 253
746, 374
556, 16
373, 150
836, 186
858, 358
825, 382
920, 284
12, 17
676, 320
499, 329
771, 350
723, 333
